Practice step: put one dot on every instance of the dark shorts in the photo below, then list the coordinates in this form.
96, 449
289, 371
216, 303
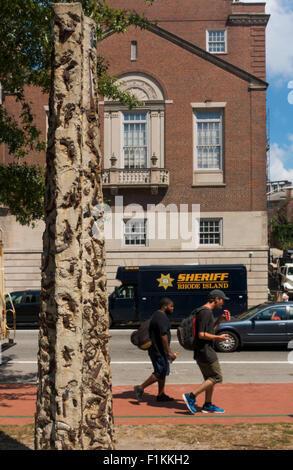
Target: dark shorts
161, 366
211, 371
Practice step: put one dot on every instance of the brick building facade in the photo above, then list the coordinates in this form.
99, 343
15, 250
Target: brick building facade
198, 139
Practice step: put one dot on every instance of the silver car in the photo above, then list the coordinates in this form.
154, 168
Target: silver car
265, 324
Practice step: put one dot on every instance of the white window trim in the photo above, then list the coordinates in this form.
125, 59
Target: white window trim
125, 245
209, 104
133, 50
148, 130
225, 38
212, 219
195, 140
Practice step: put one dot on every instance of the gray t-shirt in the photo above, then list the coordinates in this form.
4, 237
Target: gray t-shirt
204, 349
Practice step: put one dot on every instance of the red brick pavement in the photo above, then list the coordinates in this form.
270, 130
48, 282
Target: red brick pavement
249, 403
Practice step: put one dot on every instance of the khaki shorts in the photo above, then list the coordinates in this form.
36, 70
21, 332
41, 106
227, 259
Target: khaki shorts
211, 371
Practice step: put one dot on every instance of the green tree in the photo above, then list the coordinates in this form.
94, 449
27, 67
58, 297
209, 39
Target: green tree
281, 226
25, 52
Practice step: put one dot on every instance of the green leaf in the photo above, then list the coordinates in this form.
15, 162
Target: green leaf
25, 60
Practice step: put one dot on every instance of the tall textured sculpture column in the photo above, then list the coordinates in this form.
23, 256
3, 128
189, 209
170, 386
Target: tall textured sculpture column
74, 401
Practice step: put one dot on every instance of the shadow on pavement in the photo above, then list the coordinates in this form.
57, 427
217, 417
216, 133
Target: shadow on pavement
150, 400
8, 443
9, 376
8, 397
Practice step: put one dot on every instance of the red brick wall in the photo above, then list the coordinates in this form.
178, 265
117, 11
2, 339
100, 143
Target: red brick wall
187, 78
37, 100
190, 19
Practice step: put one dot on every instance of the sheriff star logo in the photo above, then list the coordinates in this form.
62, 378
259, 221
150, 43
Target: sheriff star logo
165, 281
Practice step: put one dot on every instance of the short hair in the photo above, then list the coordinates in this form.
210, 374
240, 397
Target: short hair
165, 301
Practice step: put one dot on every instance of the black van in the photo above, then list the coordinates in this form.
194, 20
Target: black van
188, 285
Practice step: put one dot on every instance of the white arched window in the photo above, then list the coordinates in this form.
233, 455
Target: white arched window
134, 139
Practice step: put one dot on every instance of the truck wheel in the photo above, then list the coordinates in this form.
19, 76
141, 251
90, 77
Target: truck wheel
230, 345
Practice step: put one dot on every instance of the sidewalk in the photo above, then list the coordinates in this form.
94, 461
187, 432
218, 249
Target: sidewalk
244, 403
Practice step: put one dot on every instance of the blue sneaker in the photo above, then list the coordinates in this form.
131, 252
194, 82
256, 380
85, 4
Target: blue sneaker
212, 409
190, 402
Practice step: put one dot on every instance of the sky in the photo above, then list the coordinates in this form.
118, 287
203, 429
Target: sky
279, 43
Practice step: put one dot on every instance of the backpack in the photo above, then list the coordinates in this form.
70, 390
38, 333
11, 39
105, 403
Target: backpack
186, 331
141, 336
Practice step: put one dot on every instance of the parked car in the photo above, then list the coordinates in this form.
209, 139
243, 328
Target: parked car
27, 308
265, 324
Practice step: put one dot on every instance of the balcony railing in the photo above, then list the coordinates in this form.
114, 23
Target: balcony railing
153, 178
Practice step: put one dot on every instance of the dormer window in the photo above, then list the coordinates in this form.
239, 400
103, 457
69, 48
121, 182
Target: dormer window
217, 41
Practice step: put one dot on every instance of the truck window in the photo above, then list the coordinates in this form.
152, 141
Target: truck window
17, 298
290, 271
126, 292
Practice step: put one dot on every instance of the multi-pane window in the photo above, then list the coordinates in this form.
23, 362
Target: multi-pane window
210, 232
208, 139
216, 42
135, 232
135, 140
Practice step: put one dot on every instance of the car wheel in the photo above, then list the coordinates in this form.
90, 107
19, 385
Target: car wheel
110, 321
230, 345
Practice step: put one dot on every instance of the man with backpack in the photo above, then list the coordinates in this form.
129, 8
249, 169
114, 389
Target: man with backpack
205, 354
159, 351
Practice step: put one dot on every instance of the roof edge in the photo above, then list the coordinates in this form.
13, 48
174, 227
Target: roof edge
255, 82
252, 79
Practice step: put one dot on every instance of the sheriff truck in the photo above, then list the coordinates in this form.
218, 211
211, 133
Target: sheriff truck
142, 287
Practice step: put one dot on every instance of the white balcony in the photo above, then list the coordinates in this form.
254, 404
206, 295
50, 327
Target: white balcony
153, 178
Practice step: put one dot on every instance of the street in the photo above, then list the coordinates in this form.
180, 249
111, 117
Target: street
131, 366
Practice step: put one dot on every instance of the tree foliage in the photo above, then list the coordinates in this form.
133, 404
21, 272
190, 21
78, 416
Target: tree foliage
25, 52
281, 226
24, 193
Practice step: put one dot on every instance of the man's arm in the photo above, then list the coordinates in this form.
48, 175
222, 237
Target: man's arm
219, 320
166, 346
202, 326
209, 337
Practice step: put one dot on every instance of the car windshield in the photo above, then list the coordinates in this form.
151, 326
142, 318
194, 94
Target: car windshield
251, 311
290, 271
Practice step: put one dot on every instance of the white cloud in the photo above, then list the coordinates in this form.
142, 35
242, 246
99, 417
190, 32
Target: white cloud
279, 39
280, 71
279, 156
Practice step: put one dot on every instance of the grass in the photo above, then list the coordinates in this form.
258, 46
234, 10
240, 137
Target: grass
274, 436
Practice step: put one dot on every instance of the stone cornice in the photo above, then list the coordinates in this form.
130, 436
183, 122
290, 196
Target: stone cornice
248, 19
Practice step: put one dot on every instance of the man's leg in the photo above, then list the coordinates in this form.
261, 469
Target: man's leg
151, 380
139, 389
207, 386
161, 386
213, 374
161, 369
